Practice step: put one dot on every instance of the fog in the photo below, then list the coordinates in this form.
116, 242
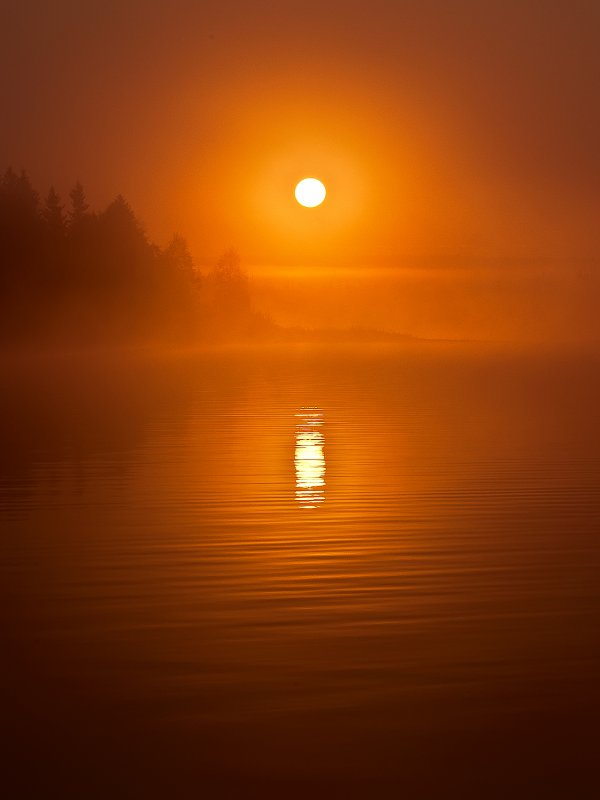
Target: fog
518, 301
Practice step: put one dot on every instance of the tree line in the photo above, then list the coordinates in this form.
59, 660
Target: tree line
94, 276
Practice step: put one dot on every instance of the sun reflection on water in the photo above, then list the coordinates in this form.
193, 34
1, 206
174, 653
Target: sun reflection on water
309, 458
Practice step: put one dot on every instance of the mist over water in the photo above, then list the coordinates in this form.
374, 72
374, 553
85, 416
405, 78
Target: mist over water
300, 499
302, 569
523, 302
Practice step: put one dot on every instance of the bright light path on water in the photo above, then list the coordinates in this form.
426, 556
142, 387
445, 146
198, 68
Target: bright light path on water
309, 458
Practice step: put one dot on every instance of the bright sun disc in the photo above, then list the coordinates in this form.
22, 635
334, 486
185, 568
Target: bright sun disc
310, 192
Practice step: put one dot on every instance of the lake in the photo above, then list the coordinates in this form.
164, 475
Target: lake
353, 571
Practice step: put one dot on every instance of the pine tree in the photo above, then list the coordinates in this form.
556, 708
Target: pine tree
229, 289
79, 204
53, 214
178, 255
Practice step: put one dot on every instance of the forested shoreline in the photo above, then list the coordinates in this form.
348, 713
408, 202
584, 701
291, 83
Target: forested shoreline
72, 274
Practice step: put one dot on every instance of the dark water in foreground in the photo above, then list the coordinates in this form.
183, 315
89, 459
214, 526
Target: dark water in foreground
329, 573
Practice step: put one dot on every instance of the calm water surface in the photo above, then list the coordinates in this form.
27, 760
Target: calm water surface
278, 573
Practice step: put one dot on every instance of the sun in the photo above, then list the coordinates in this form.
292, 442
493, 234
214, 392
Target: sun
310, 192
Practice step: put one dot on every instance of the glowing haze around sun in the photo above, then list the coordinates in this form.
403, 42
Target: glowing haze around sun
310, 192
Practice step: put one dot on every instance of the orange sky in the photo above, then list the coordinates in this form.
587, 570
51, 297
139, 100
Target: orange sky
462, 129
